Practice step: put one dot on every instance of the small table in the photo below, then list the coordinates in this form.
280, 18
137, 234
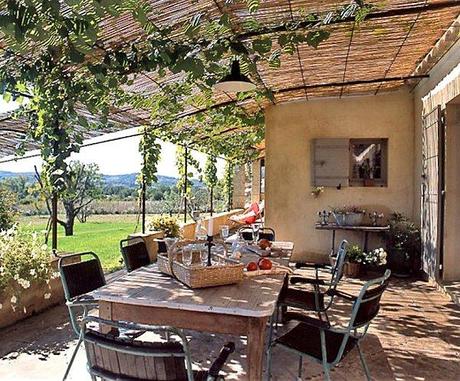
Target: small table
148, 296
360, 228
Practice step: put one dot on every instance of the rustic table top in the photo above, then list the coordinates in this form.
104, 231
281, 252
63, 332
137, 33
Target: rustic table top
147, 286
364, 228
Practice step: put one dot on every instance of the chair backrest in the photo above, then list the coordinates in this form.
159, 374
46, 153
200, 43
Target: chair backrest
80, 277
245, 232
367, 304
337, 268
112, 357
134, 255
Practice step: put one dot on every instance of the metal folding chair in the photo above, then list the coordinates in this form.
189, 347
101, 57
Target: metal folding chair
135, 255
314, 300
245, 232
318, 340
78, 278
113, 358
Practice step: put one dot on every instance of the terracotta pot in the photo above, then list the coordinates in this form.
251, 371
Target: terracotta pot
352, 270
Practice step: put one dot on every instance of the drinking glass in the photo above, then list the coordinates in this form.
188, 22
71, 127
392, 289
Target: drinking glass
255, 232
169, 241
218, 255
204, 255
187, 255
224, 230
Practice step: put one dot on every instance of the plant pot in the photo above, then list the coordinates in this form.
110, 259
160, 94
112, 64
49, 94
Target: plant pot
400, 263
349, 219
351, 270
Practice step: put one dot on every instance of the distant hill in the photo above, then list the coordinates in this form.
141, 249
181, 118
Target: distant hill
128, 180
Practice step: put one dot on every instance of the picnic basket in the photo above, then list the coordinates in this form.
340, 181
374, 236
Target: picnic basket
196, 276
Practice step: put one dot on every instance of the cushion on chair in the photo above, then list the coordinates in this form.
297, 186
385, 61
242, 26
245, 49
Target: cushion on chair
301, 299
306, 339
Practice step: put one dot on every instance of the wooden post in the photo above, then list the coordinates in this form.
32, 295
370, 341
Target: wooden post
54, 218
185, 182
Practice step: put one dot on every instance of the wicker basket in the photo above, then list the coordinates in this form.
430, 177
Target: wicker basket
199, 276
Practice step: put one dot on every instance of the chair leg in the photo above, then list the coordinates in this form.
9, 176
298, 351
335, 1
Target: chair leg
327, 376
269, 362
300, 367
363, 362
74, 354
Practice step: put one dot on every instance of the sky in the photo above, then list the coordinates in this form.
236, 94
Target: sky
113, 158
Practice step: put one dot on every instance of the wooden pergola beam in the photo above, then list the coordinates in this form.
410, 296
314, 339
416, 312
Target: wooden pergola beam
351, 83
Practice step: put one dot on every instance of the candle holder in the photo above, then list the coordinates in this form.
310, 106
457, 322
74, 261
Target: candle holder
324, 217
210, 244
374, 217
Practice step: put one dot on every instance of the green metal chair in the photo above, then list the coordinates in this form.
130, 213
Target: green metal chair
80, 273
135, 255
318, 340
110, 357
315, 300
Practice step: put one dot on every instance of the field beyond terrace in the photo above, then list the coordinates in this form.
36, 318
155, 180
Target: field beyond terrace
101, 234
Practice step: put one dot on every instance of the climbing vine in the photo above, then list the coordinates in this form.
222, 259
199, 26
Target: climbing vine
54, 56
185, 171
210, 178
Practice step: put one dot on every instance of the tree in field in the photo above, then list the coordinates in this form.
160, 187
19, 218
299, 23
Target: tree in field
83, 186
7, 209
210, 179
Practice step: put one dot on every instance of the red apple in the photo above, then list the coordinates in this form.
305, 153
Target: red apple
252, 266
265, 264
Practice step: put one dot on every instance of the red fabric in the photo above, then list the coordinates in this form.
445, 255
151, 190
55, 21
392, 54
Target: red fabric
251, 219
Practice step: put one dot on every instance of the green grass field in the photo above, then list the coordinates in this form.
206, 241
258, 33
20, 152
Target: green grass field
100, 234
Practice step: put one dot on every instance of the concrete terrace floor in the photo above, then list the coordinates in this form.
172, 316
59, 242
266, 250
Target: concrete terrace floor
415, 337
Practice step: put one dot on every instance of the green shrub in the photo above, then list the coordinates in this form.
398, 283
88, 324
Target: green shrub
355, 254
8, 211
169, 225
23, 259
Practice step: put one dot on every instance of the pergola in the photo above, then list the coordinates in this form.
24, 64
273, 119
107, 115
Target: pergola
395, 46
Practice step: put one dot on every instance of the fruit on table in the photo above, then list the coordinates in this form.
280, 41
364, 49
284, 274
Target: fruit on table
264, 243
252, 266
265, 264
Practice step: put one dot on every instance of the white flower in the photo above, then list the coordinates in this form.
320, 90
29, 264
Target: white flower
13, 299
24, 283
47, 295
33, 272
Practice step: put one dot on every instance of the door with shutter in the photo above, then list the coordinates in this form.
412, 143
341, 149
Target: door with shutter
433, 143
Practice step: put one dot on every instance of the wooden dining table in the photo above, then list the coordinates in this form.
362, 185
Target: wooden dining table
148, 296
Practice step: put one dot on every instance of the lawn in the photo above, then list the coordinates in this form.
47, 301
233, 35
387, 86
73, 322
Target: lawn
100, 234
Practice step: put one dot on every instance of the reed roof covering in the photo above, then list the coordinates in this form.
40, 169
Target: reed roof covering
378, 55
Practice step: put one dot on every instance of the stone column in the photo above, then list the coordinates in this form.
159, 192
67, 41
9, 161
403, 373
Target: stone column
239, 180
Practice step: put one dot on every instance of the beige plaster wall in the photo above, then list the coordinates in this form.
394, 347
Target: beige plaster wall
290, 208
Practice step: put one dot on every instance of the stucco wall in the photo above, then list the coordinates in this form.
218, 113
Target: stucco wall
290, 208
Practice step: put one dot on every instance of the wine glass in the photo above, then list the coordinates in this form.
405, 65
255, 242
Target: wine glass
204, 255
187, 255
255, 232
224, 230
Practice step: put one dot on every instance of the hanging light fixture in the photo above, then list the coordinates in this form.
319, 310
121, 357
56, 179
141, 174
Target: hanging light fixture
235, 82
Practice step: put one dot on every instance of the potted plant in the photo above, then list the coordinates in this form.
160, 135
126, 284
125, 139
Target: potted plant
375, 259
403, 245
354, 258
348, 215
169, 226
